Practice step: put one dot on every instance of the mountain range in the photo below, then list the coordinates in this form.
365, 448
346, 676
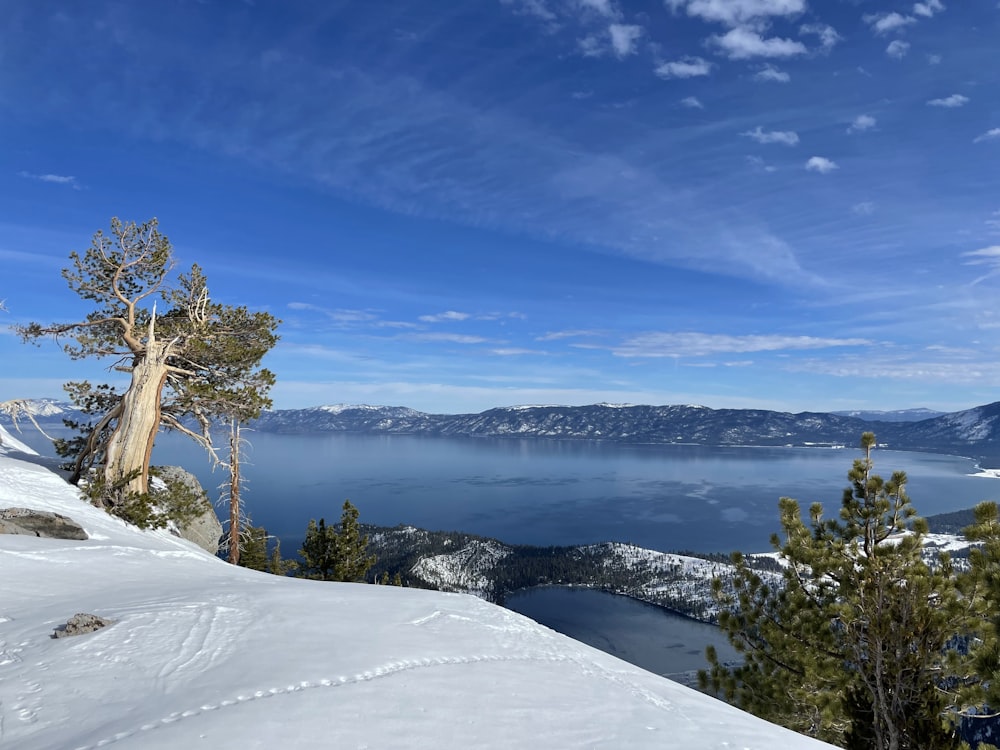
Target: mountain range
974, 432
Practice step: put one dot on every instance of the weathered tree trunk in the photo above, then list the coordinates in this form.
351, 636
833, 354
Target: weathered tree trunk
131, 443
234, 493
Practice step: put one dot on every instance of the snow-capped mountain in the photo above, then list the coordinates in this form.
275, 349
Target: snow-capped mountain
975, 431
200, 653
971, 432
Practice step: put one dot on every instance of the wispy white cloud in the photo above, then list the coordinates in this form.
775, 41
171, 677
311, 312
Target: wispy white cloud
905, 368
738, 12
447, 338
603, 7
686, 67
624, 38
621, 40
534, 8
516, 352
989, 255
897, 49
885, 23
989, 135
771, 73
955, 100
592, 46
340, 316
864, 208
574, 333
928, 9
821, 164
934, 59
55, 179
787, 137
862, 123
500, 316
742, 43
692, 344
828, 36
450, 315
692, 102
760, 165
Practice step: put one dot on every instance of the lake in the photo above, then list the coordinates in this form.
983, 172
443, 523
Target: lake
559, 492
650, 637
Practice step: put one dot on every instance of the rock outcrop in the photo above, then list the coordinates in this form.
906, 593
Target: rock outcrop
205, 530
80, 624
39, 523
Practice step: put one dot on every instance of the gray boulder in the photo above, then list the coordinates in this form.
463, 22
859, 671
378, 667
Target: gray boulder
39, 523
80, 624
205, 530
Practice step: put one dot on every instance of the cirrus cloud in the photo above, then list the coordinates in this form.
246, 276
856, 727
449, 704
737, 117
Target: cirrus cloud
449, 315
693, 344
787, 137
55, 179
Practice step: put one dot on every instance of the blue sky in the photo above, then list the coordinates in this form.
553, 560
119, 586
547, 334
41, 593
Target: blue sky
458, 205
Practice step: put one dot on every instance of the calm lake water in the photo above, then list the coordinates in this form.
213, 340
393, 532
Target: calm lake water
648, 636
552, 492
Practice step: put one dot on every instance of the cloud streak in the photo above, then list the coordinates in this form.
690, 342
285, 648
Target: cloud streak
53, 179
786, 137
693, 344
686, 67
949, 102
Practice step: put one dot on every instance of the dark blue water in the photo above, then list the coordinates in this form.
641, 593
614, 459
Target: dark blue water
547, 492
648, 636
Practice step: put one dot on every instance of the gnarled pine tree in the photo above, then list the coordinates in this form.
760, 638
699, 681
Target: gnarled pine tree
199, 359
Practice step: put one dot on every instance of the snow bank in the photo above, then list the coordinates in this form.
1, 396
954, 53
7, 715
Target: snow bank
202, 654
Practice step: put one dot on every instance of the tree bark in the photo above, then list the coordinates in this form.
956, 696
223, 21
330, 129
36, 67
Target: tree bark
234, 494
131, 443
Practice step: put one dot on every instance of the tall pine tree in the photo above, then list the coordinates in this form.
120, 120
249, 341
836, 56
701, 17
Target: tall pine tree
848, 644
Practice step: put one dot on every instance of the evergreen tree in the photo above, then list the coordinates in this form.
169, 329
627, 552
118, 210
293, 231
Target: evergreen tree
981, 585
253, 548
275, 564
318, 551
353, 560
848, 644
332, 554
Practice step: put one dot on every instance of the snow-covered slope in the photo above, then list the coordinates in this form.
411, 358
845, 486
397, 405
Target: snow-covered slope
202, 654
